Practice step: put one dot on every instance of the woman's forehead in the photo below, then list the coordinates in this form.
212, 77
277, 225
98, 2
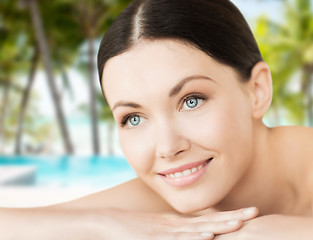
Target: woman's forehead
157, 64
156, 56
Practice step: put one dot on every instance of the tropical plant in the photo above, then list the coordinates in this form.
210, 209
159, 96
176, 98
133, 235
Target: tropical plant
288, 48
14, 56
45, 54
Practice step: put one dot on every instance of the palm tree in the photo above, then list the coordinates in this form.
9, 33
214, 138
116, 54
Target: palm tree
24, 101
90, 14
64, 38
45, 54
12, 56
94, 17
15, 26
3, 110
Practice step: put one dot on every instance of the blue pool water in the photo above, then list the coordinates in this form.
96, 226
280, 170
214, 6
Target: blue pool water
69, 171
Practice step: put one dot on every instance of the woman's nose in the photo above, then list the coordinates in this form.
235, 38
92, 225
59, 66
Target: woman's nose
170, 141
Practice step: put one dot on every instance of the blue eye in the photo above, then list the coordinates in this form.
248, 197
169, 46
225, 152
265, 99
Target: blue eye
134, 120
192, 102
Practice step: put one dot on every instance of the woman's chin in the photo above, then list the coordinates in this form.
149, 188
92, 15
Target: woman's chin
190, 207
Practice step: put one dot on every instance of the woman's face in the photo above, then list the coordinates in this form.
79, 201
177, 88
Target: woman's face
184, 121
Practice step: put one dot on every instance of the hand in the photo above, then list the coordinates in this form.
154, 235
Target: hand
273, 227
130, 225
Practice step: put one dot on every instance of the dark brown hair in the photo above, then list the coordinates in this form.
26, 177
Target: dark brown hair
216, 27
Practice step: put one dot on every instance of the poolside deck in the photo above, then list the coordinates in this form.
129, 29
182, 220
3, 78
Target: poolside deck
18, 189
24, 197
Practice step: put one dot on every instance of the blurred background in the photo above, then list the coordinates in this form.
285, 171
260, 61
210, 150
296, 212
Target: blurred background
58, 139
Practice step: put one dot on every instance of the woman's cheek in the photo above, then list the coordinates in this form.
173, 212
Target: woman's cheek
208, 128
137, 150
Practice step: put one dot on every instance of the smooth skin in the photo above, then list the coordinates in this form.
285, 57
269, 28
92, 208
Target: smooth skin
164, 122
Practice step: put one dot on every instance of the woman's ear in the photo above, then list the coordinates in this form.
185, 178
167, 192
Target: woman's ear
260, 85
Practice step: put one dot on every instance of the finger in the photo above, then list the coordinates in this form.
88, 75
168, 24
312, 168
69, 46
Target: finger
212, 227
187, 236
241, 214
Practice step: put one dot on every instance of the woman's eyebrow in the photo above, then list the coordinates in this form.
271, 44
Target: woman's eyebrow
176, 89
126, 104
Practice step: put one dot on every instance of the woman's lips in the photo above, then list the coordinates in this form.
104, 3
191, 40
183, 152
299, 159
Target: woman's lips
186, 174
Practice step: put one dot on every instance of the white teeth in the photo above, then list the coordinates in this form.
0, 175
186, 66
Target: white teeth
185, 172
178, 174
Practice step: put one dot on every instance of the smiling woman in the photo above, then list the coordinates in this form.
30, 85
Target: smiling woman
183, 101
188, 87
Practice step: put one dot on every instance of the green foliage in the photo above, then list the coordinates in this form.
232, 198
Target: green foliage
33, 129
13, 41
288, 49
68, 25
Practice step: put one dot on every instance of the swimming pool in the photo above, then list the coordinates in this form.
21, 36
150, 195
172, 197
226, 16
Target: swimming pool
74, 171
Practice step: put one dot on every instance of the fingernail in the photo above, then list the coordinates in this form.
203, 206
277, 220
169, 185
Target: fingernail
249, 211
232, 222
206, 234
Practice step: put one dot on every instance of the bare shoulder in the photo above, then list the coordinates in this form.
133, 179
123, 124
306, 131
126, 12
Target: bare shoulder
298, 136
303, 142
295, 130
296, 142
133, 195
